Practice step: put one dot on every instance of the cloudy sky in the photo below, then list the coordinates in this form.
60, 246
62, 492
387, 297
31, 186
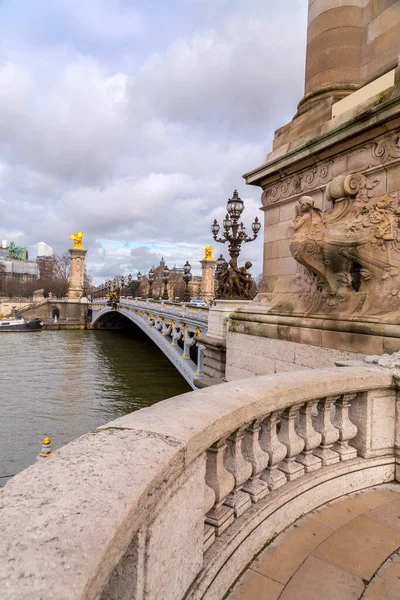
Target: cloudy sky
134, 120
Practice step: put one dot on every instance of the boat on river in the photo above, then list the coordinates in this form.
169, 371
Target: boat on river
19, 324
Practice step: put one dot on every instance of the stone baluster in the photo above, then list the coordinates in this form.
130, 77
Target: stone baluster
241, 469
209, 530
312, 438
329, 433
200, 360
294, 444
259, 460
347, 429
222, 482
187, 342
276, 451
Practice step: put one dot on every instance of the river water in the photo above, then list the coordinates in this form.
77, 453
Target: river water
64, 383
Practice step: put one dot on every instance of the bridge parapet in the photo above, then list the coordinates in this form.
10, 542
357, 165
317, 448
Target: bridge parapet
174, 501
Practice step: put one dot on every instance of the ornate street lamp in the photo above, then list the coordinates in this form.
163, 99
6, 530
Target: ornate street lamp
187, 277
165, 280
234, 282
234, 232
151, 281
122, 285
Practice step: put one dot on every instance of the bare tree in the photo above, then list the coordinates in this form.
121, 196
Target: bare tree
2, 278
258, 281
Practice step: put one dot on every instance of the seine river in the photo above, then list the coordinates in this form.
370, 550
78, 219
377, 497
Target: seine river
64, 383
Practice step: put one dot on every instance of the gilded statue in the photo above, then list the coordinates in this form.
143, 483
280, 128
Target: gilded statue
77, 237
208, 252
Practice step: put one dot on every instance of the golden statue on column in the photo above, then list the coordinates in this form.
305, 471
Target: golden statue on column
77, 237
207, 274
77, 271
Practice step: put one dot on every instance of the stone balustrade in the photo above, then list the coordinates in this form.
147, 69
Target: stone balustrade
174, 501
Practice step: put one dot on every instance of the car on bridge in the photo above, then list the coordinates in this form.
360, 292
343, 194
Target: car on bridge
197, 302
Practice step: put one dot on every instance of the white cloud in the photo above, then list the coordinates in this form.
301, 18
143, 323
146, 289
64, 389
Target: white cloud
136, 145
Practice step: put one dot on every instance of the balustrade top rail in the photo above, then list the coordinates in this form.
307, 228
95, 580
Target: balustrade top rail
164, 306
67, 522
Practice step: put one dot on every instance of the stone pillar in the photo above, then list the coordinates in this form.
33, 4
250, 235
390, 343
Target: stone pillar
334, 42
214, 342
77, 273
207, 279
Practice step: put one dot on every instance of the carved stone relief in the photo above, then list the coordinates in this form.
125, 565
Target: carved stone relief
373, 154
349, 255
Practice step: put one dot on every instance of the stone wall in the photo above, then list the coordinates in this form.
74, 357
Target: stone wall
250, 355
72, 310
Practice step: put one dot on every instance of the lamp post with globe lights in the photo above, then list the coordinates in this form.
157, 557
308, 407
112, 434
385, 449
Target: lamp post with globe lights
151, 281
234, 282
165, 279
234, 232
187, 277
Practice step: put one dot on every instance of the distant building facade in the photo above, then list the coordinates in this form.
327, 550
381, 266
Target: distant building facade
16, 264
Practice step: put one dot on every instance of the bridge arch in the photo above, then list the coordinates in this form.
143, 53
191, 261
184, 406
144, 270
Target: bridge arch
186, 367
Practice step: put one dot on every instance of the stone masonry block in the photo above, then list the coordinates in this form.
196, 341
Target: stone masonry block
353, 342
275, 349
179, 527
235, 341
279, 231
319, 358
282, 366
234, 373
281, 266
271, 216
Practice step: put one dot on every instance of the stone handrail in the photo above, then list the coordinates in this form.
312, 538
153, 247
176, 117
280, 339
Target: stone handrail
173, 501
164, 306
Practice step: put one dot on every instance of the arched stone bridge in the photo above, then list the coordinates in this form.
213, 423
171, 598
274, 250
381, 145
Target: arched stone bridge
172, 326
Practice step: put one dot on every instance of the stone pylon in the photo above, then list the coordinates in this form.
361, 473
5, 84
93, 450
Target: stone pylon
207, 279
77, 273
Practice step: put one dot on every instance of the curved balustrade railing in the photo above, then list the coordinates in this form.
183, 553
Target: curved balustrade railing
174, 501
172, 326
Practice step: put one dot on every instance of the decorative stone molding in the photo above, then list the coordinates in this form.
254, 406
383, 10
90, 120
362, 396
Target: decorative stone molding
384, 151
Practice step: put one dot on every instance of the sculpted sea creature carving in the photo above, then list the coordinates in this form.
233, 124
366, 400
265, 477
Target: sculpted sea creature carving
77, 237
339, 246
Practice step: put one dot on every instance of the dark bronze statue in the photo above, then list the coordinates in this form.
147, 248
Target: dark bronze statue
233, 282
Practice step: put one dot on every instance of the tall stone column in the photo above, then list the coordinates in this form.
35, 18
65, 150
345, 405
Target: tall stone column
334, 42
77, 273
207, 279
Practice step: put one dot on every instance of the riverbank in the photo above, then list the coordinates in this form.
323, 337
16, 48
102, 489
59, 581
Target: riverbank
63, 325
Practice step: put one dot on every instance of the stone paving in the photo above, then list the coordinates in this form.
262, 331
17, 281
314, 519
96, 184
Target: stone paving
346, 550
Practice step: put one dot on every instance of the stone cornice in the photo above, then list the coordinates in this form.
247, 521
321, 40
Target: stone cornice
363, 123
